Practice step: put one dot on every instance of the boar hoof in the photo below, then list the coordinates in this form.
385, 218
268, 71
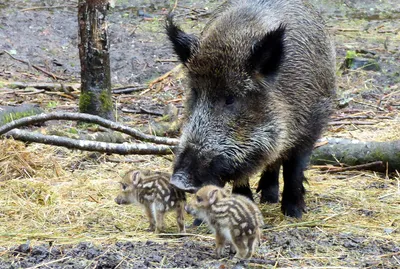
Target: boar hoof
292, 210
271, 198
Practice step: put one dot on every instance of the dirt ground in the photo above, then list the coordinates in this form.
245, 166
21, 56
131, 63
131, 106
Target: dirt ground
353, 218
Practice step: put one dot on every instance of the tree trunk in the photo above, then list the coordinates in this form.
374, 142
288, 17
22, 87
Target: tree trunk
95, 95
354, 152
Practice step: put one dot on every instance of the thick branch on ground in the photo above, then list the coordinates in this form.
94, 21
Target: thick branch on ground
122, 149
87, 118
48, 86
353, 152
67, 87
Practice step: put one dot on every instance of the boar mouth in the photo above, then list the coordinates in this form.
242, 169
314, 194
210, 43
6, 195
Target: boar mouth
180, 181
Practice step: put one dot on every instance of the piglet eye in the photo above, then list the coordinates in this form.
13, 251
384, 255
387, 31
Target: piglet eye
199, 199
123, 186
229, 100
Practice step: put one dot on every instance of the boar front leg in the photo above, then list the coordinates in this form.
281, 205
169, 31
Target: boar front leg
242, 187
269, 184
293, 203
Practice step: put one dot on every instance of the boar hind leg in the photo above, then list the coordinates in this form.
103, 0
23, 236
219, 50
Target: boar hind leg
269, 184
293, 203
242, 187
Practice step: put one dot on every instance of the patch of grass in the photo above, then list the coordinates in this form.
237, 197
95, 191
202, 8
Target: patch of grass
52, 104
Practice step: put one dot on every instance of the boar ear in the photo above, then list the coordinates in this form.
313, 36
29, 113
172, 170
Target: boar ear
212, 196
135, 178
267, 53
184, 44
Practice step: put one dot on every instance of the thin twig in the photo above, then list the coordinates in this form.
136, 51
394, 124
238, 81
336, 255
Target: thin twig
48, 263
51, 7
378, 166
161, 78
175, 5
128, 89
36, 67
370, 105
142, 111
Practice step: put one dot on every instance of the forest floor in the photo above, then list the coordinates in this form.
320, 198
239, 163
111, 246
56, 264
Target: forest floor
57, 206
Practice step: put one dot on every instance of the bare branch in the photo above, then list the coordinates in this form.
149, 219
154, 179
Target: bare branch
87, 118
122, 149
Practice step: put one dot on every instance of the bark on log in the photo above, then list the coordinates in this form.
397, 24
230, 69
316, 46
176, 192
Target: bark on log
355, 152
122, 149
48, 86
94, 57
87, 118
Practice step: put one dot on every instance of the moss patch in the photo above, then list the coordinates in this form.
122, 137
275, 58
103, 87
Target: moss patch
85, 101
106, 101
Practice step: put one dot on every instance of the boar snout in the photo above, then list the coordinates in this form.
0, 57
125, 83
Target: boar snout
181, 181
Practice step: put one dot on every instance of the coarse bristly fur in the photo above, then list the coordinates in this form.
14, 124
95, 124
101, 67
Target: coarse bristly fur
233, 218
262, 80
152, 190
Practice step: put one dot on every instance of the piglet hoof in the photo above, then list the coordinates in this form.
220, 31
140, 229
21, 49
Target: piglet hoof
158, 230
238, 262
232, 249
197, 222
150, 229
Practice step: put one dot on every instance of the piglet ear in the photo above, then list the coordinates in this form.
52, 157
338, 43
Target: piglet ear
135, 178
184, 44
212, 196
267, 54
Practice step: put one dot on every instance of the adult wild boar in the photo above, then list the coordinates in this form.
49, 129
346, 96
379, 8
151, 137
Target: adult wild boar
262, 80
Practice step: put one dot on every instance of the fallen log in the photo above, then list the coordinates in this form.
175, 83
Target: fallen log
348, 152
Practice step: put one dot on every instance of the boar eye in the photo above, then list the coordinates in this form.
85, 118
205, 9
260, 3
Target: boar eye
229, 100
194, 91
199, 199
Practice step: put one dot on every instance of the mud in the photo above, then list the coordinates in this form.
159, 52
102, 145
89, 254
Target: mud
281, 249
